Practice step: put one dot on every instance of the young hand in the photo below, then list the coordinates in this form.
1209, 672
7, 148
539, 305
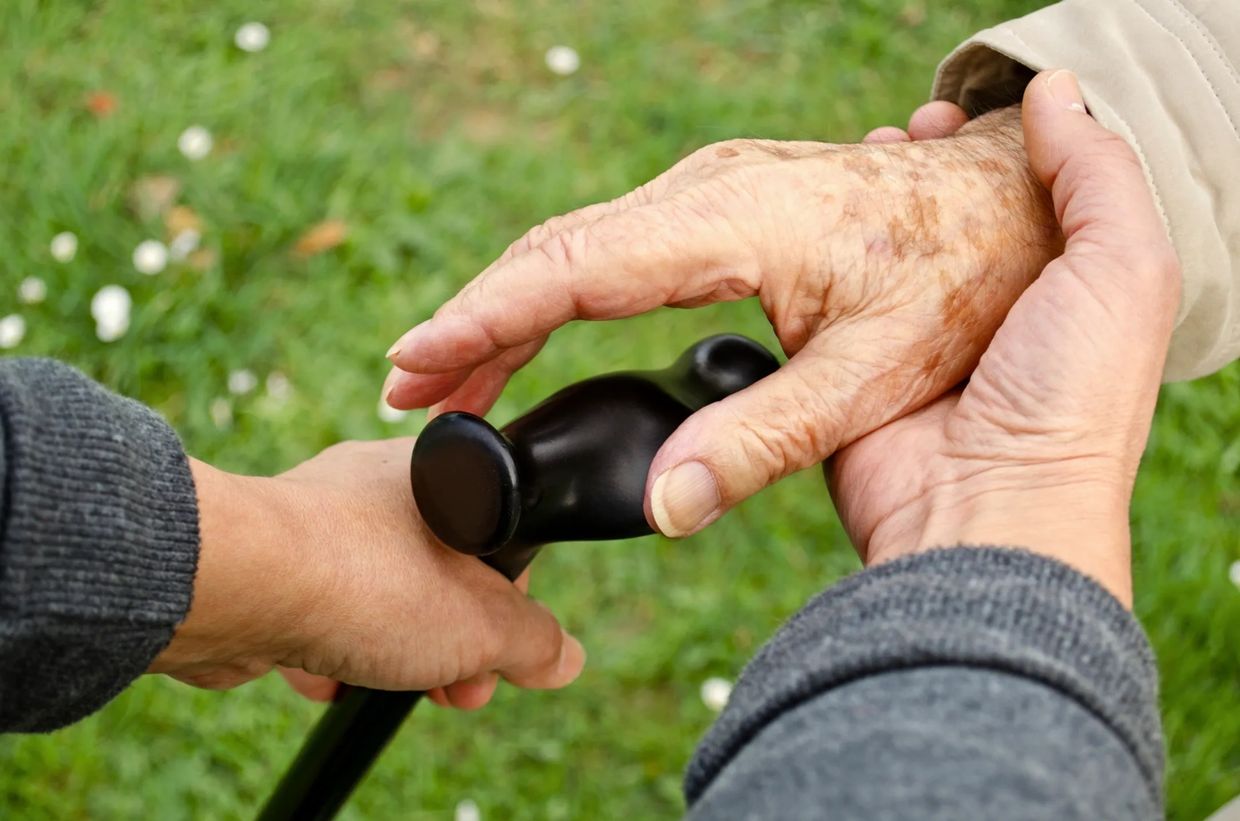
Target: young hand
328, 569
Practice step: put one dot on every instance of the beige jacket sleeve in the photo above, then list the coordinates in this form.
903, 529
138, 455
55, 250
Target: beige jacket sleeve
1165, 74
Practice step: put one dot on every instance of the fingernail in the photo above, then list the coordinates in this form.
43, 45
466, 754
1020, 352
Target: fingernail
389, 384
407, 340
1066, 91
572, 658
682, 498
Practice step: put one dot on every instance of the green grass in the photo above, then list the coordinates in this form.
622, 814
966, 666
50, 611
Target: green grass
436, 132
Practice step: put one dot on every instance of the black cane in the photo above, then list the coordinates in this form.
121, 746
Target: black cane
572, 469
342, 747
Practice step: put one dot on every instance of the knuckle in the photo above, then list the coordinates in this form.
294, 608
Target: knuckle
1107, 159
641, 195
709, 155
719, 156
530, 239
537, 235
1117, 149
730, 148
764, 447
788, 438
564, 249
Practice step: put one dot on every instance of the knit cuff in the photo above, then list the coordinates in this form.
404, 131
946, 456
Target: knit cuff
99, 543
994, 608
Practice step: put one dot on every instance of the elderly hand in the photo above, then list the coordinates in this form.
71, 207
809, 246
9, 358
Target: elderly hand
328, 570
1041, 447
884, 269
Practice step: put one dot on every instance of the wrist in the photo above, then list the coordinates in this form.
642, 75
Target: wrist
246, 608
1081, 521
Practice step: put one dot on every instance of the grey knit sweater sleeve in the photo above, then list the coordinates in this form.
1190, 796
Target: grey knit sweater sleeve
98, 543
961, 683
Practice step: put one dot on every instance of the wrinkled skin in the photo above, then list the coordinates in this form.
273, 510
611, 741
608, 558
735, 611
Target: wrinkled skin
1041, 447
884, 268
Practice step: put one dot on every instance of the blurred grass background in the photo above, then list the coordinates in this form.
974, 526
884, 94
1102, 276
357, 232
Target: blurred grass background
434, 133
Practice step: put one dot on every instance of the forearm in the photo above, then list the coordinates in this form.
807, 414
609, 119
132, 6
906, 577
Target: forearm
98, 543
951, 684
1162, 74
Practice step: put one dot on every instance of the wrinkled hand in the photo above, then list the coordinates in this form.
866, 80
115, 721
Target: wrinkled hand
884, 269
328, 570
1041, 448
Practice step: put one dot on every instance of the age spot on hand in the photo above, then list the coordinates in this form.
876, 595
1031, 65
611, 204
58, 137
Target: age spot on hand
864, 167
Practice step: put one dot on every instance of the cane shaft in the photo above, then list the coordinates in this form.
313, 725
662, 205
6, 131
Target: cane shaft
353, 733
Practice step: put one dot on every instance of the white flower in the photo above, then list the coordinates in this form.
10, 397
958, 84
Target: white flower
715, 693
195, 142
241, 382
12, 331
389, 414
32, 291
279, 387
111, 307
252, 37
64, 246
109, 333
1233, 573
184, 244
563, 60
221, 413
150, 257
467, 810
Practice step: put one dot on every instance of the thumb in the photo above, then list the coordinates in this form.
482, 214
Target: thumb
1102, 199
1082, 351
529, 648
734, 448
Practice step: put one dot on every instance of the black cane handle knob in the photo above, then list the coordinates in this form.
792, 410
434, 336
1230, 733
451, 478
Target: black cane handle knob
574, 467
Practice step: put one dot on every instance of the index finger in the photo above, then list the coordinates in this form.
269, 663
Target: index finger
618, 266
